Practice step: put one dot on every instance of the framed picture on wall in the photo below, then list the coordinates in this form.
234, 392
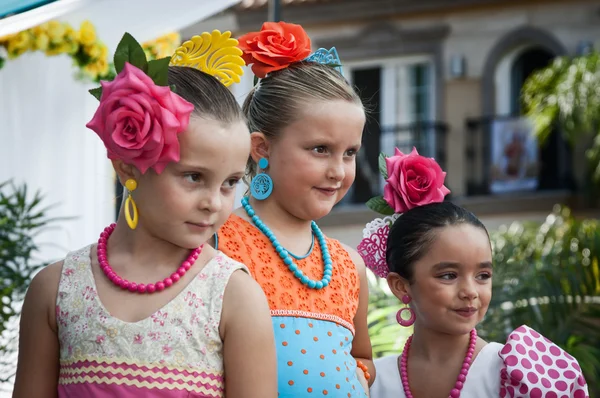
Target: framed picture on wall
514, 157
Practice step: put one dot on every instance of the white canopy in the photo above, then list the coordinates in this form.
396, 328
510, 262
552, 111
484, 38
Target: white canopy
35, 16
144, 19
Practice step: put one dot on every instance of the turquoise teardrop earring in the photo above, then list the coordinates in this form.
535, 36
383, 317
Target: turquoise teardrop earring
261, 185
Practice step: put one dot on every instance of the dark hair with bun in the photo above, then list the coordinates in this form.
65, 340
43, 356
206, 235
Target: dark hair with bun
414, 231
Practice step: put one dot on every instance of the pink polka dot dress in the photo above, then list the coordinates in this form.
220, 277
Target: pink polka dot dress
527, 366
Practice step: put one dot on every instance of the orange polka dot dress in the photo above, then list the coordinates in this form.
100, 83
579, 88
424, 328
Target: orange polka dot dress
314, 329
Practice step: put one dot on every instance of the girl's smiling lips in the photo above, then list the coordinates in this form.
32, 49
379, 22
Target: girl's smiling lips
327, 190
466, 311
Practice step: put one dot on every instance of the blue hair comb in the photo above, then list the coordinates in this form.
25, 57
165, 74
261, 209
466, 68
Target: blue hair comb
326, 57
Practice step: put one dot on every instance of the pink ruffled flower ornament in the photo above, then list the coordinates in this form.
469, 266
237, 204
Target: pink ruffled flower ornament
411, 180
138, 120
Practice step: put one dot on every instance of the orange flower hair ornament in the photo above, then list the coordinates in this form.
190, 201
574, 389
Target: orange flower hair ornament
280, 44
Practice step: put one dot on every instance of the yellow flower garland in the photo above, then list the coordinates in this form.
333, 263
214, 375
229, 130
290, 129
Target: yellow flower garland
89, 54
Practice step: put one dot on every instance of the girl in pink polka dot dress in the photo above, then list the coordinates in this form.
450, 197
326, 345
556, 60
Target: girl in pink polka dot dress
438, 261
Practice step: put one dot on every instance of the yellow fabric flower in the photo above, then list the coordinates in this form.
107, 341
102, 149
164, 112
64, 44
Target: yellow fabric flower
40, 29
164, 50
71, 34
22, 39
173, 37
7, 38
94, 51
91, 70
61, 48
103, 51
19, 44
87, 33
56, 31
102, 65
97, 69
53, 50
41, 42
55, 38
163, 46
70, 47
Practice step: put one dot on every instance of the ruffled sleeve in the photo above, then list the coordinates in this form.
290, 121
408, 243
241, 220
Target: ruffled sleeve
534, 367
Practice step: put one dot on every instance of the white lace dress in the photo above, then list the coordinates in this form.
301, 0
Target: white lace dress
528, 365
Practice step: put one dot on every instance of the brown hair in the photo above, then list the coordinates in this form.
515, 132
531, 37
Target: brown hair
211, 99
278, 99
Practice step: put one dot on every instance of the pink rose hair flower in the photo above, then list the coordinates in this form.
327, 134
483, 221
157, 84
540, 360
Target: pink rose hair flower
413, 180
139, 121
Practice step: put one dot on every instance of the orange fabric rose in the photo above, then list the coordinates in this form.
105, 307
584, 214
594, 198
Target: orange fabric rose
276, 46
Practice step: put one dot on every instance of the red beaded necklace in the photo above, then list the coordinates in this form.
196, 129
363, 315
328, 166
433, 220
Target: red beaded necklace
462, 376
132, 286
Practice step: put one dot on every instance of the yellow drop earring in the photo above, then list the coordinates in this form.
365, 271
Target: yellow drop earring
132, 221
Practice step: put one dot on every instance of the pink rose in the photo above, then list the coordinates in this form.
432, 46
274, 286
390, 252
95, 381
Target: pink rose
138, 121
413, 180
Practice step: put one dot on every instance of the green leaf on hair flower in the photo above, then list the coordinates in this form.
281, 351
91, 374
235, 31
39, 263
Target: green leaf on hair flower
255, 80
383, 166
173, 88
129, 50
96, 92
158, 70
379, 205
1, 62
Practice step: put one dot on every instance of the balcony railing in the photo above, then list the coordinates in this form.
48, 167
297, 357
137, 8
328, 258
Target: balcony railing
503, 156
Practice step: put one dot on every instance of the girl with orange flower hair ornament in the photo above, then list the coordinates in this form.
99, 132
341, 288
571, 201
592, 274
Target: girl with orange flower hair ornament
151, 310
437, 259
306, 126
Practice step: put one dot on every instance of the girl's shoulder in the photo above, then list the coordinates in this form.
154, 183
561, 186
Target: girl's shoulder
42, 292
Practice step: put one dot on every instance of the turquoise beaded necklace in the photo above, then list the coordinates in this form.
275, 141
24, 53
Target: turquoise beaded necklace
285, 256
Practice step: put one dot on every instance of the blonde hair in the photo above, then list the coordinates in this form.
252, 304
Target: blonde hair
278, 99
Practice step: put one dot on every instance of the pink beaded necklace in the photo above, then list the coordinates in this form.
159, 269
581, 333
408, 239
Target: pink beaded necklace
132, 286
462, 376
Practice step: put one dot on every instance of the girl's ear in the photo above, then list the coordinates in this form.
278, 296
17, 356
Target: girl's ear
259, 146
125, 171
398, 285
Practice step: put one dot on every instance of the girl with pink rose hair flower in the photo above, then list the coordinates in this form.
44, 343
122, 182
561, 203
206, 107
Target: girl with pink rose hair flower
437, 259
151, 310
